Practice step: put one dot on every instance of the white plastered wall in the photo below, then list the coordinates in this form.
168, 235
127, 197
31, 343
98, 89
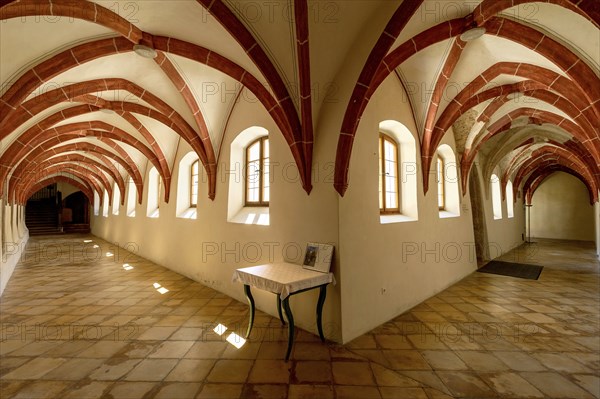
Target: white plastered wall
13, 236
66, 189
387, 269
507, 233
561, 209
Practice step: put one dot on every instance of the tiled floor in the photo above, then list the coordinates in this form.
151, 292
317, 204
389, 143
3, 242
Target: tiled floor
78, 325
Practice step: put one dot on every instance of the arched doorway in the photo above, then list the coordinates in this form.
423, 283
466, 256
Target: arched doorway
76, 209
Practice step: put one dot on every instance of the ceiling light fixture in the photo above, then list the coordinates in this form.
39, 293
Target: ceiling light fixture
472, 34
145, 51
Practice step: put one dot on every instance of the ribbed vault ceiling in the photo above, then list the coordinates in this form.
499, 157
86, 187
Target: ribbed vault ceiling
79, 105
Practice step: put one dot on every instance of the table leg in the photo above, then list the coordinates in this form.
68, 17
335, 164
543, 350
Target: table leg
251, 303
279, 309
288, 314
321, 301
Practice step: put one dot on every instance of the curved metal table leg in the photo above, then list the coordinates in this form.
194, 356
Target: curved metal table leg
288, 314
251, 303
279, 309
322, 295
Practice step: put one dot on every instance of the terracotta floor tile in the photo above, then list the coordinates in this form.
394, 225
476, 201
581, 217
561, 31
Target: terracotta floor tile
393, 342
221, 391
248, 351
103, 349
270, 372
427, 341
464, 384
352, 373
482, 361
131, 390
406, 360
7, 364
374, 355
157, 333
264, 391
180, 390
310, 351
191, 370
34, 369
486, 336
444, 360
206, 350
511, 385
73, 369
404, 393
366, 341
520, 361
114, 369
561, 362
232, 371
555, 385
171, 350
88, 390
188, 334
313, 372
41, 390
310, 392
272, 350
34, 348
356, 392
385, 377
591, 383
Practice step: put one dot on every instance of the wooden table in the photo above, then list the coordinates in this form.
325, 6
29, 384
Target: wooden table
285, 280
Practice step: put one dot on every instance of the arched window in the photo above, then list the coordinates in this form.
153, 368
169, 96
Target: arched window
154, 186
257, 172
441, 183
510, 200
448, 195
398, 173
105, 204
389, 199
96, 204
248, 176
188, 186
496, 196
131, 197
159, 183
194, 185
116, 199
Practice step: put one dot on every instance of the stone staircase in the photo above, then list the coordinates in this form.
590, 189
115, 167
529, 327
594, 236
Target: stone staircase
41, 217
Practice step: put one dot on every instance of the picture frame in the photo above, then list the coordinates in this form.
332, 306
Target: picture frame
318, 257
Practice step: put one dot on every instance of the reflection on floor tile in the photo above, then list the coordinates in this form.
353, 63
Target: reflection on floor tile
81, 327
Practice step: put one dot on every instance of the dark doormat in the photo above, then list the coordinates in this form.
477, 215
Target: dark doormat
520, 270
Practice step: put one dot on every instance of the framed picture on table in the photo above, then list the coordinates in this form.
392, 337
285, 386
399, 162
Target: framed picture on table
318, 257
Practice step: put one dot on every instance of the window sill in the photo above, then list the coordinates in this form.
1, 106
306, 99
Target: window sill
389, 219
190, 213
448, 215
252, 215
154, 214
